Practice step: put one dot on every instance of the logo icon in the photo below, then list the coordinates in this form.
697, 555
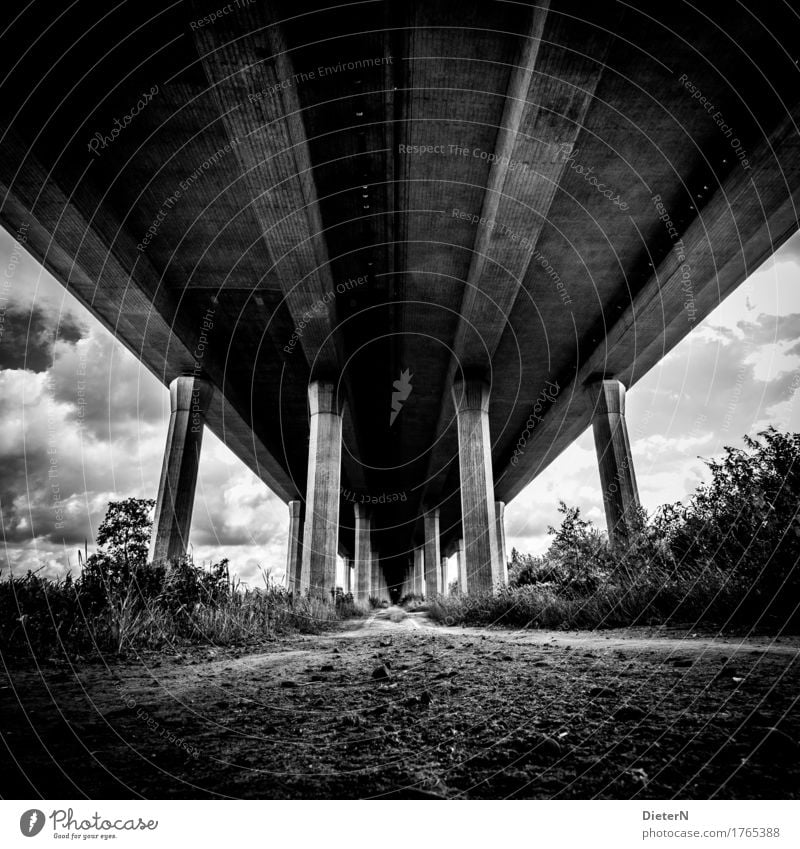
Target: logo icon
401, 393
31, 822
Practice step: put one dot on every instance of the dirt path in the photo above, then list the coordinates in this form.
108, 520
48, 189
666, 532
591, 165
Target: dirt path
410, 709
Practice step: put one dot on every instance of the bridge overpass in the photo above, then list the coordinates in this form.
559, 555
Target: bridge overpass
398, 256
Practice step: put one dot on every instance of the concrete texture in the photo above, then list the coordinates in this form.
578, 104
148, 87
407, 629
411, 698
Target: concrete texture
189, 397
321, 531
617, 475
294, 554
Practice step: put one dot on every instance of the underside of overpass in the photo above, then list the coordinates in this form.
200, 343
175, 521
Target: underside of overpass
398, 256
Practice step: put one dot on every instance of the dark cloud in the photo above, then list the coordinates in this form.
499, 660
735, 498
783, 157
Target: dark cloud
29, 337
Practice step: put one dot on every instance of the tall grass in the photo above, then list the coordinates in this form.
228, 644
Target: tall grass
707, 596
39, 616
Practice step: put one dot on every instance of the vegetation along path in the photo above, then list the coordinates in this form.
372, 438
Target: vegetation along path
396, 706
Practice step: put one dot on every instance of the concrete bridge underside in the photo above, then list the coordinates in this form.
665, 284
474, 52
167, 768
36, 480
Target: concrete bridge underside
399, 256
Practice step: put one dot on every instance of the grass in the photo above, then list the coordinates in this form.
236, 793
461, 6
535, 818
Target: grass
707, 596
39, 616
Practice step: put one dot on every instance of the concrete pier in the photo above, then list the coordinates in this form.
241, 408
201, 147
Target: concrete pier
462, 567
294, 554
500, 513
479, 523
363, 554
433, 557
419, 570
189, 398
617, 477
321, 530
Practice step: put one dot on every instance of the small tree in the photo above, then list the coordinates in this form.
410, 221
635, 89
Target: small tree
125, 531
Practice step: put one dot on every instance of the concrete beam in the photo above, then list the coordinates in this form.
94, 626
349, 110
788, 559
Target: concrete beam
471, 399
189, 398
432, 557
294, 554
321, 532
363, 554
745, 221
617, 477
83, 244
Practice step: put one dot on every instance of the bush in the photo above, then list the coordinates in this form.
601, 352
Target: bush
120, 601
729, 556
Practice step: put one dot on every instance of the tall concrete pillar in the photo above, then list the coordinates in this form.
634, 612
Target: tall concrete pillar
500, 513
433, 556
348, 572
419, 571
294, 555
443, 577
375, 580
478, 520
617, 478
189, 398
321, 531
462, 567
363, 554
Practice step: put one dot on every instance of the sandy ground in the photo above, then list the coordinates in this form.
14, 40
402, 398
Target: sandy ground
409, 709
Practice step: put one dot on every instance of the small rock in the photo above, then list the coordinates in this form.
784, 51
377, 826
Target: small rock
629, 712
601, 693
381, 673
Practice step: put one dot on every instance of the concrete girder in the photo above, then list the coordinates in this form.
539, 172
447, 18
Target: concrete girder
745, 221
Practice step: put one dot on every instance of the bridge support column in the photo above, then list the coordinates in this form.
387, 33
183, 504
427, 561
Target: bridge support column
462, 567
189, 397
321, 531
419, 571
375, 575
294, 555
363, 554
347, 585
443, 577
433, 557
617, 478
478, 520
500, 513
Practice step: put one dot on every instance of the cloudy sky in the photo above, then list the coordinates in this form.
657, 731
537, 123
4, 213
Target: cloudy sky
82, 421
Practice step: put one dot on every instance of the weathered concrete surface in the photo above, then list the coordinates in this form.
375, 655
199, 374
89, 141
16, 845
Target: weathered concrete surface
189, 397
613, 446
478, 520
321, 531
432, 552
294, 554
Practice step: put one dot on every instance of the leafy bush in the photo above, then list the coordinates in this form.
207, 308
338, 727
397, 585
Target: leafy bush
730, 555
